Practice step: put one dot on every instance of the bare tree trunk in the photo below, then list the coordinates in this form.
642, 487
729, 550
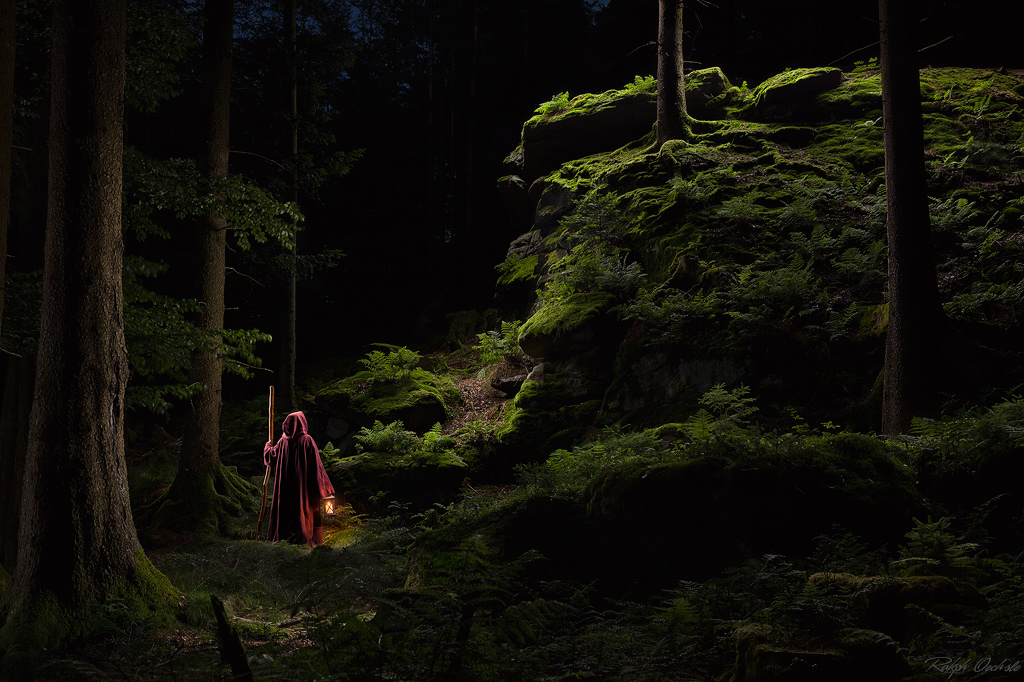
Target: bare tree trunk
286, 383
204, 492
11, 457
6, 135
915, 315
671, 81
77, 546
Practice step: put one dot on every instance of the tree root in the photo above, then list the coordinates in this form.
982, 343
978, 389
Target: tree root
199, 500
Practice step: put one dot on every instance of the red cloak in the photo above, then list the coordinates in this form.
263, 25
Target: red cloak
299, 482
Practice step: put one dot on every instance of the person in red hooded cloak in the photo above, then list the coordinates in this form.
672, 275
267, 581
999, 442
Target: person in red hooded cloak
300, 480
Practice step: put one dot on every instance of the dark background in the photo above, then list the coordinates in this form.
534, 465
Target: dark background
435, 93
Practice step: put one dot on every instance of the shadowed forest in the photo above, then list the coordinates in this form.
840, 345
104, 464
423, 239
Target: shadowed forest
640, 340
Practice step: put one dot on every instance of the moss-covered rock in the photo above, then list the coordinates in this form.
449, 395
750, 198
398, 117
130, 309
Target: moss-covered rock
692, 517
587, 124
881, 602
763, 241
571, 324
772, 654
775, 98
418, 398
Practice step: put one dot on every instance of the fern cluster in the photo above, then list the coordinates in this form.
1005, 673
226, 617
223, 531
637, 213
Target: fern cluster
397, 362
556, 105
501, 344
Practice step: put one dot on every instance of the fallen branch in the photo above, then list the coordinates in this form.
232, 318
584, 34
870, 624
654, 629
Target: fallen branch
231, 650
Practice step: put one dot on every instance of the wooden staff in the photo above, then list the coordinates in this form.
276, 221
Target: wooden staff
266, 476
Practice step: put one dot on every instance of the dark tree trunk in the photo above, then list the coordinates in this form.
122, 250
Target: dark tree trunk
915, 316
671, 82
6, 134
11, 457
204, 492
77, 545
286, 381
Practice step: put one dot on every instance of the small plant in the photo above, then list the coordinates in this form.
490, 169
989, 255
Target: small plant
934, 549
476, 430
593, 266
330, 454
501, 344
691, 190
555, 105
723, 413
436, 442
392, 438
399, 361
641, 84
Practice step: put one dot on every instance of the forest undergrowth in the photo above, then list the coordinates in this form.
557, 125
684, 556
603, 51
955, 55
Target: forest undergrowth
426, 594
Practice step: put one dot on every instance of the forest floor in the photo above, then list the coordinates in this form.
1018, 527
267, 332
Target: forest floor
277, 595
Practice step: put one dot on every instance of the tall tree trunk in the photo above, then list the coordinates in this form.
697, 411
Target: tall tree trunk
671, 82
915, 315
204, 492
77, 546
11, 458
286, 383
6, 135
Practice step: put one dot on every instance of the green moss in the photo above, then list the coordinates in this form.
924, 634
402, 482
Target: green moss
419, 387
588, 103
859, 144
37, 622
779, 83
858, 96
565, 315
516, 270
634, 163
419, 398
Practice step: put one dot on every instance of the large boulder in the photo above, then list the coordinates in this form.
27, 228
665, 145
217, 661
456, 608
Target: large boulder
591, 124
793, 92
745, 502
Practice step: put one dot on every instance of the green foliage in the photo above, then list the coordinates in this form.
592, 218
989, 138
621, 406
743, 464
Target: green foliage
177, 187
597, 216
556, 105
723, 414
160, 336
567, 472
501, 344
330, 454
390, 438
159, 38
397, 362
692, 191
435, 442
960, 442
395, 439
934, 549
641, 84
593, 266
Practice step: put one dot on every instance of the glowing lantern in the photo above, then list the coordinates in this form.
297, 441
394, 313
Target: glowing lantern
327, 505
